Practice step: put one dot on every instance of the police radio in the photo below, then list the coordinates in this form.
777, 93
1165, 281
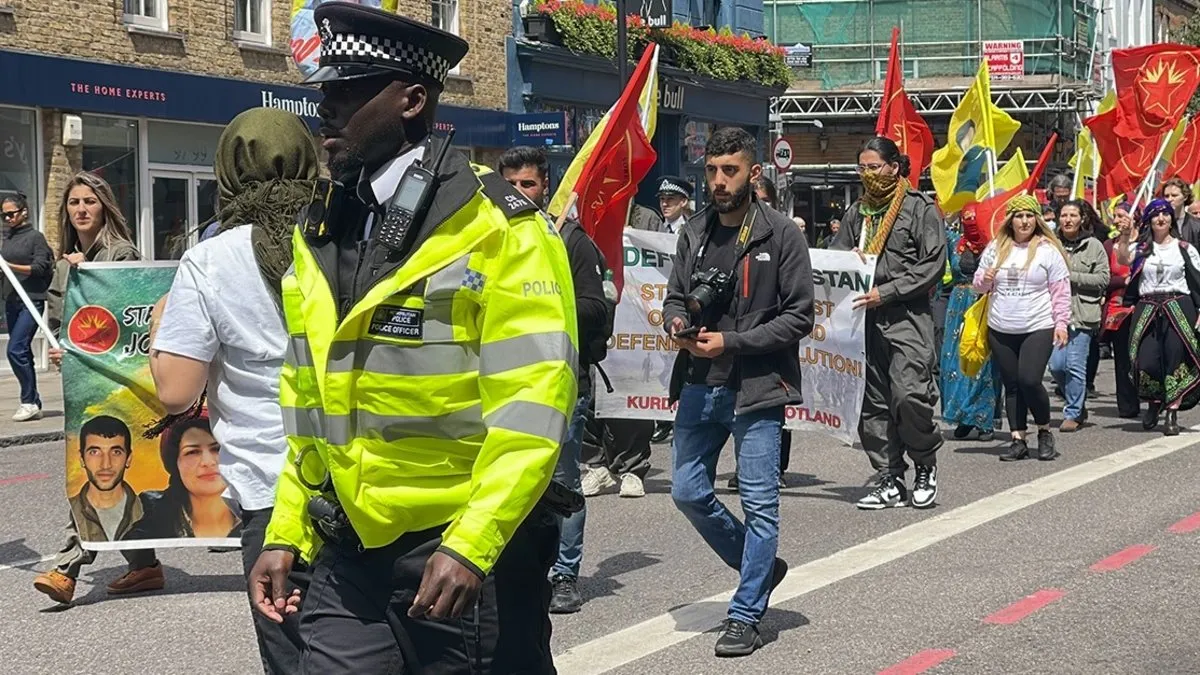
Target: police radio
411, 200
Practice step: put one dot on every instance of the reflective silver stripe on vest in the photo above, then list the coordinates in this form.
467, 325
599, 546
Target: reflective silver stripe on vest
439, 301
380, 357
523, 350
298, 353
302, 421
342, 429
526, 417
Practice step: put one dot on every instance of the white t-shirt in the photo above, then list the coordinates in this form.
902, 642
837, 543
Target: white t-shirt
1021, 298
221, 312
1164, 271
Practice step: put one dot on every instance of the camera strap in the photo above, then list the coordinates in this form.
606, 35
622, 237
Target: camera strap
742, 239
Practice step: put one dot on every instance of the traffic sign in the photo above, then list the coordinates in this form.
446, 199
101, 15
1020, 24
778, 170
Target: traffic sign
782, 154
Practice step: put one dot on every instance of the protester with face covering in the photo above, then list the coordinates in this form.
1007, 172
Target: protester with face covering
1089, 269
1025, 270
222, 329
1116, 314
903, 228
1164, 282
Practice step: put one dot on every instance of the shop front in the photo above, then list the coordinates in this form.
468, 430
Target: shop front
152, 134
691, 107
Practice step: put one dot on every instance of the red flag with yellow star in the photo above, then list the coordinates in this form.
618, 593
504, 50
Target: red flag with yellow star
1154, 85
1186, 162
899, 119
1126, 159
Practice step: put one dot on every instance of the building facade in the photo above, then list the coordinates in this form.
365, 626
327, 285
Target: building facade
139, 91
552, 81
1054, 42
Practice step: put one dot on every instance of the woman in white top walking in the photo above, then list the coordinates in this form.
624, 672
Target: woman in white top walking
1164, 281
1025, 270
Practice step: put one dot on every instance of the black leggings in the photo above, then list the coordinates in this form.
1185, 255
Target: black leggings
1022, 362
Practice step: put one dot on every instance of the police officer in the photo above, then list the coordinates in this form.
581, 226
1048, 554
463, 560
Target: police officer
428, 382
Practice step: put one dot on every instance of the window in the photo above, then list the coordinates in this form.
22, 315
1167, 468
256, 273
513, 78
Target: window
110, 150
252, 20
149, 13
445, 17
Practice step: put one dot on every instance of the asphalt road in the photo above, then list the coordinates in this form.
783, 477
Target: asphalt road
1082, 565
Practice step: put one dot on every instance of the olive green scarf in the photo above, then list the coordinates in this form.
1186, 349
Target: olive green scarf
266, 167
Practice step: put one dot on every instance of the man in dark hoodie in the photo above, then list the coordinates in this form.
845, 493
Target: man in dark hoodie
527, 169
739, 300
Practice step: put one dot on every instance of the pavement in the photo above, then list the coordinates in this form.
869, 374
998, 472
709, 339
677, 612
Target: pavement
1081, 565
48, 428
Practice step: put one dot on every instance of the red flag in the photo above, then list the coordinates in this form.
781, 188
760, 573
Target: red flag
989, 213
1186, 161
619, 161
1126, 159
1154, 85
899, 119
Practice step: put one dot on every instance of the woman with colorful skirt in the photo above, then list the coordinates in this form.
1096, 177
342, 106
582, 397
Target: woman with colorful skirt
1164, 286
968, 402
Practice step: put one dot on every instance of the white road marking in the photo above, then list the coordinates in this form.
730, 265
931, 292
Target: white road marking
654, 635
26, 563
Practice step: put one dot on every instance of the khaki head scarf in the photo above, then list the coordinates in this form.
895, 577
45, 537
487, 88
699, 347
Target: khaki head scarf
266, 168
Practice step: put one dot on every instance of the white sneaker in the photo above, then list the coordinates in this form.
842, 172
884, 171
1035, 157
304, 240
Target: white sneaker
631, 486
596, 479
26, 412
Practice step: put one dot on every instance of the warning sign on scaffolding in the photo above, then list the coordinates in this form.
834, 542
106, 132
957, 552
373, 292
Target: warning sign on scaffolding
1006, 59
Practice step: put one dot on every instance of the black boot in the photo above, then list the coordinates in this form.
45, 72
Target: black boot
1046, 449
1172, 426
1017, 451
1150, 417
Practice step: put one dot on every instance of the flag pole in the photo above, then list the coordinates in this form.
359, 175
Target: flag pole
37, 316
991, 169
562, 217
1146, 186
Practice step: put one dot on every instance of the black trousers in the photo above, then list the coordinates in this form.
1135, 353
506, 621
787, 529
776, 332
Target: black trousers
355, 618
626, 447
1128, 404
279, 645
1093, 363
1022, 362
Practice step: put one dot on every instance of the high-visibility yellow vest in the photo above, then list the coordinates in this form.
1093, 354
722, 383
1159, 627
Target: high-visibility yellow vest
443, 394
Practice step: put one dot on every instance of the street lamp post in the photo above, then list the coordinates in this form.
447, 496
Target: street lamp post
622, 46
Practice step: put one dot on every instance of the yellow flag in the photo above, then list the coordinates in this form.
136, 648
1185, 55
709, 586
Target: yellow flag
1012, 174
1086, 160
977, 128
648, 113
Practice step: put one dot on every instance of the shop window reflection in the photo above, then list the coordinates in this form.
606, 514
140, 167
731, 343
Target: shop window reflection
110, 150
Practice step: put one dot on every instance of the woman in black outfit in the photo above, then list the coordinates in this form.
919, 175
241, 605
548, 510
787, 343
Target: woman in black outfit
29, 256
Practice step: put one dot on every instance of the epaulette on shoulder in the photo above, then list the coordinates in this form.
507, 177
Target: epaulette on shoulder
503, 195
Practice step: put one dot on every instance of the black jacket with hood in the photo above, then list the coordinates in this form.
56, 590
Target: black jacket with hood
772, 306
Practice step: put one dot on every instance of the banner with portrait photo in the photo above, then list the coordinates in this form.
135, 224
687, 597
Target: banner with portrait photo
641, 355
126, 490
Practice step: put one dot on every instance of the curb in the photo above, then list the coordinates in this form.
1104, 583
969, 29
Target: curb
31, 438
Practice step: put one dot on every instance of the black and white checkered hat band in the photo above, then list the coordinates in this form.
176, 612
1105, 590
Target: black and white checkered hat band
671, 186
346, 48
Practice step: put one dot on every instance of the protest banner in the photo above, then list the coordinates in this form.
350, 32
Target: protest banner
306, 39
641, 355
127, 491
833, 356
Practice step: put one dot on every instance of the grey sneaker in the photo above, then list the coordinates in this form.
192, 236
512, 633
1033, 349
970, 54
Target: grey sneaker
597, 479
631, 486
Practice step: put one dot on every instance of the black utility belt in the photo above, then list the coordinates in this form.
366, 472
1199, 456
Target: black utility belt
332, 524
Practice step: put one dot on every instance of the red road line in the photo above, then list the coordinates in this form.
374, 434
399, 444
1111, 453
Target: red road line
920, 662
23, 479
1122, 558
1024, 607
1189, 524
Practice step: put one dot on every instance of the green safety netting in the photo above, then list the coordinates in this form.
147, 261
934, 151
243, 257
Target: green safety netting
942, 38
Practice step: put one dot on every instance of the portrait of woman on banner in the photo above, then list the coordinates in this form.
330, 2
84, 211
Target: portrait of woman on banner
194, 504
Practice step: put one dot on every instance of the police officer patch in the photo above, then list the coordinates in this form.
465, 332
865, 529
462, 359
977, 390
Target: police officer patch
400, 323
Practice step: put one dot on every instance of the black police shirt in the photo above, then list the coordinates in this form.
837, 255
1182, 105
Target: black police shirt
721, 253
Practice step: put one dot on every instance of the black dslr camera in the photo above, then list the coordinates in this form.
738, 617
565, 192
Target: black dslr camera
711, 288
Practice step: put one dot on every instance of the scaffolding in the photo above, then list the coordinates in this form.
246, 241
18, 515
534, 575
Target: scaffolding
942, 44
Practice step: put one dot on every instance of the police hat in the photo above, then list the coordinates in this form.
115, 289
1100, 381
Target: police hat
674, 185
358, 41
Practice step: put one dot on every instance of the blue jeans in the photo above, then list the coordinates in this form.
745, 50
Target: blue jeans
570, 539
1068, 365
21, 329
703, 423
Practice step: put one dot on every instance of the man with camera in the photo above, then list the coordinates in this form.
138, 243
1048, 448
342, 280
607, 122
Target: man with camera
739, 300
